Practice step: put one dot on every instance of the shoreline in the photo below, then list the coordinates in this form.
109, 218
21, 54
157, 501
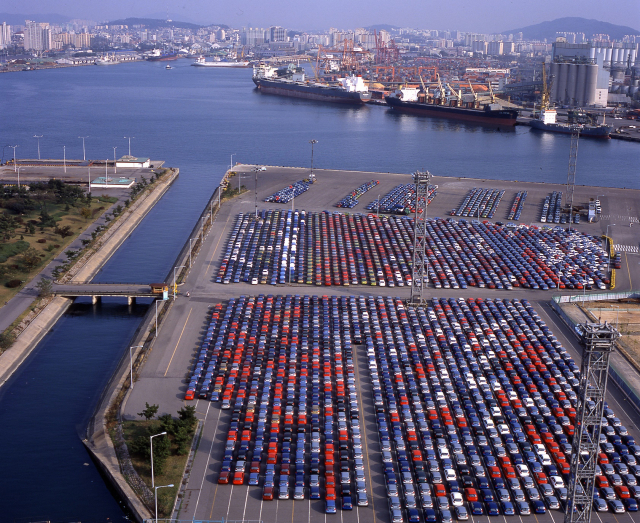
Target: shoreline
12, 358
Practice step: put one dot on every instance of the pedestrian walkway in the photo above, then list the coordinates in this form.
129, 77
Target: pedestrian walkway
629, 249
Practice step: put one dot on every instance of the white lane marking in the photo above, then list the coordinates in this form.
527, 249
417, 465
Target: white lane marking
245, 503
230, 498
260, 516
309, 520
598, 516
552, 518
208, 455
277, 502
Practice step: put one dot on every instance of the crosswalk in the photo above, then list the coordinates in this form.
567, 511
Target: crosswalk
631, 249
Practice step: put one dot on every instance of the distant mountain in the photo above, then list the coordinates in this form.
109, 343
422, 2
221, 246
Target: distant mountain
154, 23
572, 24
52, 18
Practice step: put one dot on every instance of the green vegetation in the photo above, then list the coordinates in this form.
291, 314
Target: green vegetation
7, 250
169, 452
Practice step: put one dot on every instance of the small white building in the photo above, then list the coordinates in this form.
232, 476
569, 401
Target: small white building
133, 162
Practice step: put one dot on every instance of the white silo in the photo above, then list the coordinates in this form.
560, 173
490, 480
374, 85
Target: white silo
607, 55
563, 75
591, 84
553, 81
572, 79
581, 84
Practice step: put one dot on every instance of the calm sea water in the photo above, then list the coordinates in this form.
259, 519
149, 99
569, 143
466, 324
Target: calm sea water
194, 119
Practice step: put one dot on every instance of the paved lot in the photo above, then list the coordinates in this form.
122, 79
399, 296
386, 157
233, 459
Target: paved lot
164, 377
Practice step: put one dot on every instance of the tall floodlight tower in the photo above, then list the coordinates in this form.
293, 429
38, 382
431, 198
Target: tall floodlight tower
598, 342
571, 175
420, 273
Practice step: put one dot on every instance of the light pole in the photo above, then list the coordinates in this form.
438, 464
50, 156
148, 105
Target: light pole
38, 136
14, 147
617, 307
378, 207
312, 142
231, 164
255, 170
156, 496
89, 175
153, 482
129, 138
174, 279
115, 167
84, 152
64, 157
131, 362
190, 239
18, 178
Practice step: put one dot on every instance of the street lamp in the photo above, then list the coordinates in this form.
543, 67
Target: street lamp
64, 157
84, 153
617, 307
312, 142
131, 362
14, 147
115, 167
38, 136
255, 170
156, 496
129, 138
18, 178
151, 441
190, 239
174, 279
231, 164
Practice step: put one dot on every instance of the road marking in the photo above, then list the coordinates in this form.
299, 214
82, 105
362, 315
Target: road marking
261, 503
176, 348
230, 498
245, 503
309, 520
626, 259
632, 249
598, 516
552, 519
213, 439
364, 432
277, 502
208, 457
293, 509
217, 244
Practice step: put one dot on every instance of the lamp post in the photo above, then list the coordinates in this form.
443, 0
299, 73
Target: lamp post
231, 164
174, 279
255, 189
14, 147
18, 178
617, 307
378, 207
89, 175
312, 142
131, 362
153, 483
38, 136
84, 152
115, 167
609, 244
64, 157
190, 239
156, 496
129, 138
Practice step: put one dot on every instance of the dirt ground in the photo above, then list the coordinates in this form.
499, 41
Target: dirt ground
626, 315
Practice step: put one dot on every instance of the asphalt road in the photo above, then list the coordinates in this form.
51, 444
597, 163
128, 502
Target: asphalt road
163, 379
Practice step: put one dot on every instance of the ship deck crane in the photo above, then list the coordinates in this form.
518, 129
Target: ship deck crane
475, 96
457, 94
443, 96
493, 96
424, 88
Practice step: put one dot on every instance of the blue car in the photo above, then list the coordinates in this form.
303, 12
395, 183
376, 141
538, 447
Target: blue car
476, 508
507, 508
631, 504
330, 507
493, 509
538, 507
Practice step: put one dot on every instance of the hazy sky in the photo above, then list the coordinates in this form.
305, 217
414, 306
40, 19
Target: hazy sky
464, 15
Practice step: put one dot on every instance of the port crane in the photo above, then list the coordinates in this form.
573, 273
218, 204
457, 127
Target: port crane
457, 94
475, 96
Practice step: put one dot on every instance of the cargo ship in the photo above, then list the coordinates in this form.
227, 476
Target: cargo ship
201, 62
157, 56
291, 81
546, 121
411, 100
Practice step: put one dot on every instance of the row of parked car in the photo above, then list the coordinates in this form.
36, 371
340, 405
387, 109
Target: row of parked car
351, 199
480, 203
339, 249
518, 205
475, 403
290, 192
401, 199
552, 208
295, 425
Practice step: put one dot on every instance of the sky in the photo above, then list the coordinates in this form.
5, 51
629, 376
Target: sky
485, 16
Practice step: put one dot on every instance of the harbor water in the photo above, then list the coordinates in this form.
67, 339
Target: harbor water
195, 119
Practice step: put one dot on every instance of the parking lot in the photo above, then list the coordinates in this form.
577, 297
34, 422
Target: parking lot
385, 326
334, 248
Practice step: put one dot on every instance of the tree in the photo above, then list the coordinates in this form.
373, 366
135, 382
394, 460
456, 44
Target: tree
85, 212
188, 416
30, 258
44, 286
149, 412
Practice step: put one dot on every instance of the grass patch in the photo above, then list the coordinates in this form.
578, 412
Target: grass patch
7, 250
169, 474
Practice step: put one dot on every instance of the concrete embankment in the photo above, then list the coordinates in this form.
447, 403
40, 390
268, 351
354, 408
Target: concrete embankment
82, 272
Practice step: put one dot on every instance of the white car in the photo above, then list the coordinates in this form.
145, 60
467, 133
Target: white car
556, 482
456, 499
449, 475
523, 471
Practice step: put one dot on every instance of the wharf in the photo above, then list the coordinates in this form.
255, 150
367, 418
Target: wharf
163, 378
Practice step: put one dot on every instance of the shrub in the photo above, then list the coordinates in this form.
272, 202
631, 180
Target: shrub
12, 284
42, 240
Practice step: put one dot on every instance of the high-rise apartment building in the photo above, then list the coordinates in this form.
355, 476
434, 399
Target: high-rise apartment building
5, 35
37, 36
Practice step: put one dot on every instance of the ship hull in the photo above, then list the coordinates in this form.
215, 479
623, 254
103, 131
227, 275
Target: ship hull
222, 64
311, 92
503, 117
162, 58
602, 132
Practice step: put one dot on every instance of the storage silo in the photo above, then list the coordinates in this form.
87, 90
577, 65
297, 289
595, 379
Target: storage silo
563, 74
615, 56
572, 79
607, 56
553, 81
591, 84
581, 84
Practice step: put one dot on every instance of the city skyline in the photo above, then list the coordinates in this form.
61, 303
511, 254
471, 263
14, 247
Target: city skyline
493, 15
